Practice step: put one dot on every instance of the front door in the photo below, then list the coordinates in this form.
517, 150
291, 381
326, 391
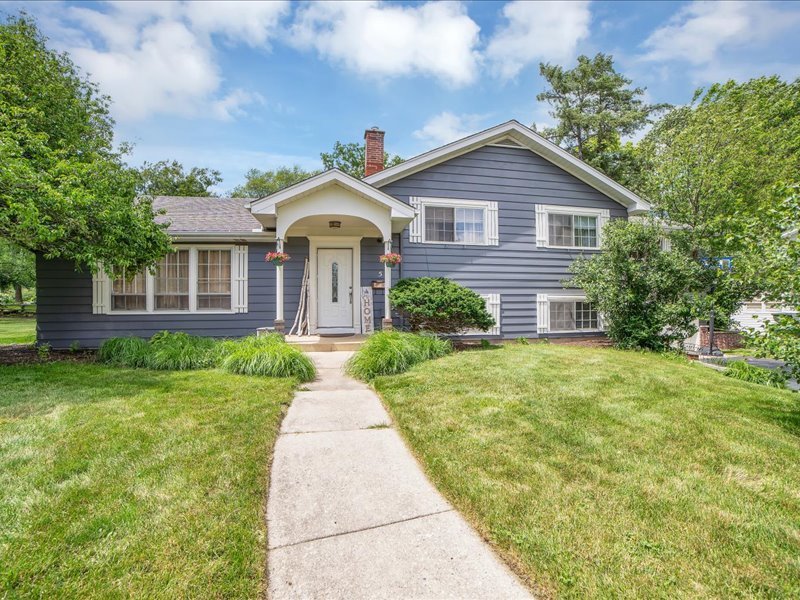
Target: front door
335, 288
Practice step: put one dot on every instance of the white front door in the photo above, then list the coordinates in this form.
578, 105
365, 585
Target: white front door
335, 288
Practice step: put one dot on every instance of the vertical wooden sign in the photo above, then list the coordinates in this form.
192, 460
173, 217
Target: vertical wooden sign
367, 312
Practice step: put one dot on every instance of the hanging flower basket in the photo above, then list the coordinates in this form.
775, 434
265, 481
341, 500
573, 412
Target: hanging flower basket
277, 258
391, 259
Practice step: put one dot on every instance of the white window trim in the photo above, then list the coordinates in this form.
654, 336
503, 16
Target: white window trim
543, 313
491, 235
543, 224
493, 307
102, 285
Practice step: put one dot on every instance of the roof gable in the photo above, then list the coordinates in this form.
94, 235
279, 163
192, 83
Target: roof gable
514, 133
268, 204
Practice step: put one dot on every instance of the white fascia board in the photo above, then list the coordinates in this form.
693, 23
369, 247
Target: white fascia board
222, 236
530, 140
268, 204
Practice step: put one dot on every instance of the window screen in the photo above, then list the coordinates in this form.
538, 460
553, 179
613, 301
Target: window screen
172, 282
213, 280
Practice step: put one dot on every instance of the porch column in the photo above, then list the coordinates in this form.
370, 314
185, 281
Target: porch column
279, 321
387, 286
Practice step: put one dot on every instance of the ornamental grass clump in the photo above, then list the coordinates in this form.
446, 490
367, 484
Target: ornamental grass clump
391, 352
131, 352
268, 356
747, 372
180, 351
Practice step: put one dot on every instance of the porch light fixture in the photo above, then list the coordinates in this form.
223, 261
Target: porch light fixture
334, 224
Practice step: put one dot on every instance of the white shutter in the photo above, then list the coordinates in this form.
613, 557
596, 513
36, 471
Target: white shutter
415, 227
493, 307
542, 313
541, 226
101, 292
239, 268
605, 215
492, 226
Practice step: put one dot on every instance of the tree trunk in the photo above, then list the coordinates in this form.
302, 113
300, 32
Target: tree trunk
18, 294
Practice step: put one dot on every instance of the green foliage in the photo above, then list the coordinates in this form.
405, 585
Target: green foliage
439, 305
350, 159
64, 189
712, 166
43, 351
263, 183
74, 346
168, 178
391, 352
131, 352
595, 108
643, 293
522, 341
268, 356
779, 339
181, 352
746, 372
17, 268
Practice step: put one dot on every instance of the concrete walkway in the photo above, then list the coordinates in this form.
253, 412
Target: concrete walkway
351, 515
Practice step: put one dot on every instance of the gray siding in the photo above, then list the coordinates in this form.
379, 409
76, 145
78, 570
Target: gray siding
64, 301
517, 180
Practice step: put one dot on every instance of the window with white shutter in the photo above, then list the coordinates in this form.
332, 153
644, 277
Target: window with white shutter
569, 227
459, 222
493, 308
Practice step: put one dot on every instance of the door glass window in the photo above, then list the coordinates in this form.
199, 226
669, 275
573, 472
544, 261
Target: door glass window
335, 282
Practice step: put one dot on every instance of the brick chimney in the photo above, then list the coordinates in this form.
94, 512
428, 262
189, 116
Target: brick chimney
373, 156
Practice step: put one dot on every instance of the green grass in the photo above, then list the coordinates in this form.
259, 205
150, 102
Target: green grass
746, 372
130, 483
392, 352
17, 330
603, 473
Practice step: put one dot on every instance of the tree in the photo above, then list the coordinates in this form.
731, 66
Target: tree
263, 183
64, 190
17, 269
776, 265
645, 294
350, 159
595, 109
439, 305
712, 166
168, 178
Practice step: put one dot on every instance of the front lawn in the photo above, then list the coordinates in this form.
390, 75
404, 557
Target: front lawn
602, 473
134, 483
17, 330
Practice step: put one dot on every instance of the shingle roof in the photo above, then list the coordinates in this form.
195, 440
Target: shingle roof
188, 214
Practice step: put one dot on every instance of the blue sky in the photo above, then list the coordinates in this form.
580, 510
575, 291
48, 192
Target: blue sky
240, 85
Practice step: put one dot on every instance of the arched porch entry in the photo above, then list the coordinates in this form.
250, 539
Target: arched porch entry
335, 213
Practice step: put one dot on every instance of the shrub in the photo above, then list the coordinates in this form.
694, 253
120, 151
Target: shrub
439, 305
125, 352
391, 352
643, 292
747, 372
181, 352
779, 338
268, 355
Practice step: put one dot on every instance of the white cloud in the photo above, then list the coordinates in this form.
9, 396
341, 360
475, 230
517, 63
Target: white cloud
447, 127
436, 39
159, 57
537, 31
698, 32
231, 106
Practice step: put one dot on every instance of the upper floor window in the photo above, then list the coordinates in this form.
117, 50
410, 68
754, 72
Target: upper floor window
448, 221
567, 227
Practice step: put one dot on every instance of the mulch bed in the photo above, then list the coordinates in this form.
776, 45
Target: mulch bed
21, 354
